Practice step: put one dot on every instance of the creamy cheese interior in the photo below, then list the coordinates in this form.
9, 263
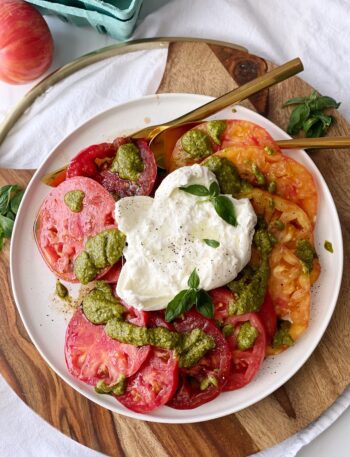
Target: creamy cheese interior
165, 244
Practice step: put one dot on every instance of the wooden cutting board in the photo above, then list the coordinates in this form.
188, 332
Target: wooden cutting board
197, 67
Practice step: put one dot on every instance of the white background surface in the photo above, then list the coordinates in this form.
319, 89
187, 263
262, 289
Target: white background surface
317, 31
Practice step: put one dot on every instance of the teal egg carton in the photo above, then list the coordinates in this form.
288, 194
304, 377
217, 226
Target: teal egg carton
116, 18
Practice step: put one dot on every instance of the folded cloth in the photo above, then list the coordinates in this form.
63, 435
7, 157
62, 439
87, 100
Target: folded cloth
25, 434
74, 100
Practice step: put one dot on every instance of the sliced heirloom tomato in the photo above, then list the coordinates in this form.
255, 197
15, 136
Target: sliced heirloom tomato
61, 234
246, 363
154, 384
215, 365
236, 132
95, 162
291, 179
113, 273
222, 298
289, 283
267, 315
92, 356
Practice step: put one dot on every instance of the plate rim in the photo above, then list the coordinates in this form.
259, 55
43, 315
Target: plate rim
208, 416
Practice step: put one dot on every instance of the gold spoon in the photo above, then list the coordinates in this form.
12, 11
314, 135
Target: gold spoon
166, 135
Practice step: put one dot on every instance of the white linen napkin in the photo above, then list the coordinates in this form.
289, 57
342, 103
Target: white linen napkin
316, 30
74, 100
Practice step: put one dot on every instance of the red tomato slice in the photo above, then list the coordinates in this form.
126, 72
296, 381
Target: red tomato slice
113, 273
267, 315
95, 161
92, 356
222, 297
215, 363
154, 384
245, 364
143, 186
86, 162
61, 234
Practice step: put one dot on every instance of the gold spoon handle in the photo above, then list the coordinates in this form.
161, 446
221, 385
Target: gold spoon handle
330, 142
279, 74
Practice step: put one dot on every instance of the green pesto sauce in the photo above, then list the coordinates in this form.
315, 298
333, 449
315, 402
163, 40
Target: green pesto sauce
227, 330
216, 129
272, 187
227, 176
282, 337
101, 251
197, 144
210, 380
306, 253
61, 290
246, 336
328, 246
260, 178
251, 284
269, 151
74, 200
100, 305
84, 268
128, 162
118, 388
279, 224
191, 346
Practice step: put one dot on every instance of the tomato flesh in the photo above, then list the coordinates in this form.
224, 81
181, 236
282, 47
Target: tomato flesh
61, 234
245, 363
154, 384
216, 363
92, 356
96, 160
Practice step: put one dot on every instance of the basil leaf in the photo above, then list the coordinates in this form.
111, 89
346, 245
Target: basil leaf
193, 280
204, 304
295, 101
16, 200
6, 225
189, 299
10, 215
323, 102
211, 243
196, 189
2, 237
214, 189
297, 118
5, 196
176, 306
225, 209
317, 125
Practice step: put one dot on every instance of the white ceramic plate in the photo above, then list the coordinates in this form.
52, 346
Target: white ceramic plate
33, 283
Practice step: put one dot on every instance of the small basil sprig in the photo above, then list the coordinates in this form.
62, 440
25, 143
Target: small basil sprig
222, 204
10, 198
212, 243
309, 116
185, 299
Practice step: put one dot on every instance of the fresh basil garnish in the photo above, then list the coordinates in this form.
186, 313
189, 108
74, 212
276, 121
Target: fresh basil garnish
10, 198
185, 300
212, 243
225, 209
309, 116
196, 189
222, 204
193, 280
204, 304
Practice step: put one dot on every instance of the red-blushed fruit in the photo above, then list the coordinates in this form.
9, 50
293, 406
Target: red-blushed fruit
26, 44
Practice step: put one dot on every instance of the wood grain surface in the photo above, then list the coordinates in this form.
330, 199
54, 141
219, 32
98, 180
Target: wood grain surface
211, 70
